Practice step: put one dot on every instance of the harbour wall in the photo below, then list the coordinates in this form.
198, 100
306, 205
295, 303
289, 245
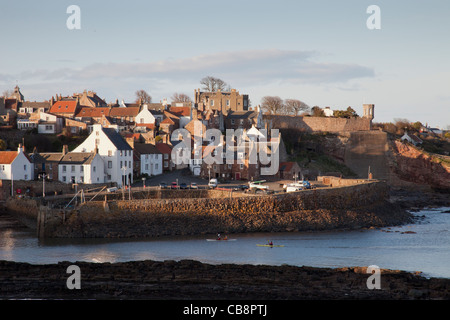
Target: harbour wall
364, 204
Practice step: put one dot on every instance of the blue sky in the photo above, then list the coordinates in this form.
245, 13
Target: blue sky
320, 52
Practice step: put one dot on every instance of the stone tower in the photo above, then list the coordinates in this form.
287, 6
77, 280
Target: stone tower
368, 111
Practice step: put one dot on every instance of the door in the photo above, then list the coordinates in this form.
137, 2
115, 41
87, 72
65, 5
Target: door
237, 176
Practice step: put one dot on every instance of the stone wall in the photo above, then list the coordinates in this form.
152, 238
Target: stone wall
318, 124
354, 206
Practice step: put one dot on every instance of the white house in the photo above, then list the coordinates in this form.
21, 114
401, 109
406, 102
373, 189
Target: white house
81, 167
49, 123
15, 165
149, 158
411, 138
145, 116
328, 112
116, 153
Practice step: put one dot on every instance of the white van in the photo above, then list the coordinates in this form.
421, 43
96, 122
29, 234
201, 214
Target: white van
112, 189
213, 183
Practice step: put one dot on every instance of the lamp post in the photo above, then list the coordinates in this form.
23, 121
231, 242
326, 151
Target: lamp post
143, 183
123, 182
43, 176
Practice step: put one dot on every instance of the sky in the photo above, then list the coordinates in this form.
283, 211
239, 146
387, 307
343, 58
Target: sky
320, 52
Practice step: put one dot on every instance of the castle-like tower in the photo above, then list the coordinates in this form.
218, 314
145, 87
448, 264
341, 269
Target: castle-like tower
368, 111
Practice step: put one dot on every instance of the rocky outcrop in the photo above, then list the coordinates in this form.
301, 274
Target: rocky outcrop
413, 165
188, 279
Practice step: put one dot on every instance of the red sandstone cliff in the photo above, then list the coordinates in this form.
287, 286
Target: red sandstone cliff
413, 165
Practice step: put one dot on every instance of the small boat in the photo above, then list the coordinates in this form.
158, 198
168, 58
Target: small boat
221, 239
270, 245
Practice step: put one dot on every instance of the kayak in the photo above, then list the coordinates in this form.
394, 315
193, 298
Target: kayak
221, 239
270, 245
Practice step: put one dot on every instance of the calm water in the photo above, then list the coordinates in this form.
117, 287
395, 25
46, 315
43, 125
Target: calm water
426, 250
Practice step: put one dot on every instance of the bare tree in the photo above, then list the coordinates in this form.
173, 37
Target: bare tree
212, 84
143, 96
295, 106
273, 105
180, 97
8, 93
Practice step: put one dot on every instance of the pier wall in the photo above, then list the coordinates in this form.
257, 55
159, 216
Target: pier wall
354, 206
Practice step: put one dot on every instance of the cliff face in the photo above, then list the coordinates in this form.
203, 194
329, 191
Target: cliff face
413, 165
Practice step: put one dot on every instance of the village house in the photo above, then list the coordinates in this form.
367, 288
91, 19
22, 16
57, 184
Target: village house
116, 153
47, 163
124, 117
50, 123
289, 170
166, 151
221, 101
65, 107
182, 112
244, 119
411, 138
92, 115
15, 165
81, 167
75, 126
89, 99
148, 159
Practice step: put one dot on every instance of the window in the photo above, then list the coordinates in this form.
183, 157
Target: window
211, 103
72, 169
94, 168
64, 168
121, 164
82, 179
25, 167
156, 166
129, 164
241, 166
109, 153
64, 179
146, 166
108, 177
109, 164
26, 177
228, 103
166, 156
81, 169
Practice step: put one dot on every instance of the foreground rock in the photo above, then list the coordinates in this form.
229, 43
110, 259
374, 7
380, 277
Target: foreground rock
189, 279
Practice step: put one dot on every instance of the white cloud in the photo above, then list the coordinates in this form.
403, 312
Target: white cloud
245, 67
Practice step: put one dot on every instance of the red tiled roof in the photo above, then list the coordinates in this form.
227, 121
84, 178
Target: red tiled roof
7, 157
167, 120
64, 106
124, 112
164, 148
181, 111
93, 112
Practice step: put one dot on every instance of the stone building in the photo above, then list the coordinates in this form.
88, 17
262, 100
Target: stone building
221, 101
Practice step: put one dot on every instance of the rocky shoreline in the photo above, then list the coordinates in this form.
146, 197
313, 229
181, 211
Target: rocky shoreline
188, 279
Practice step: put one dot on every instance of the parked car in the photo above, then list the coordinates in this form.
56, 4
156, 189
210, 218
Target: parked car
194, 185
213, 183
241, 187
183, 186
163, 185
174, 185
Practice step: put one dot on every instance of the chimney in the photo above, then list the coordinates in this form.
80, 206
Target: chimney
20, 148
65, 149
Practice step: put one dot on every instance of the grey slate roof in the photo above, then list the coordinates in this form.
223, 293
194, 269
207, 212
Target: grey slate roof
119, 142
78, 158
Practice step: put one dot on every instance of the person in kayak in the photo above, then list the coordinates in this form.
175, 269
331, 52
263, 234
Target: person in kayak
218, 236
270, 242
